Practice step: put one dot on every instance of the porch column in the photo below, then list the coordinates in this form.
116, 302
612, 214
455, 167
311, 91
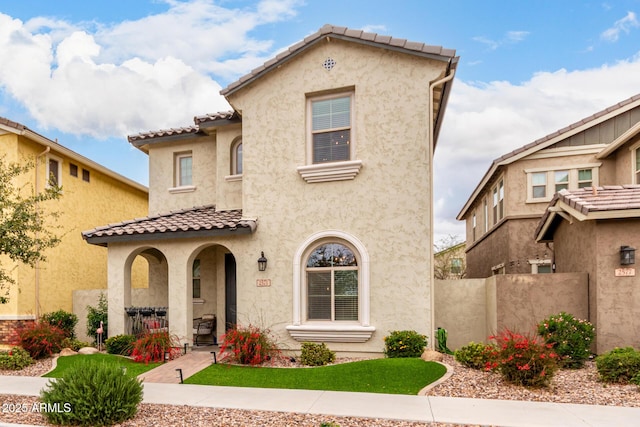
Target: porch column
119, 289
180, 298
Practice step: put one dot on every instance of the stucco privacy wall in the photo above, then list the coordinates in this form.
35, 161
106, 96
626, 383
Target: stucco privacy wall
386, 206
474, 309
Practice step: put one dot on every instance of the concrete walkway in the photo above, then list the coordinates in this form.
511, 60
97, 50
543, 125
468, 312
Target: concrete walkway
160, 387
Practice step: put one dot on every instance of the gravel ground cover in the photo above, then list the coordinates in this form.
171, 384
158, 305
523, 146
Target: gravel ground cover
568, 386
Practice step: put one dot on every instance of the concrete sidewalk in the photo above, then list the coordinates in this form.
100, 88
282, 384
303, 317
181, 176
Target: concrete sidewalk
370, 405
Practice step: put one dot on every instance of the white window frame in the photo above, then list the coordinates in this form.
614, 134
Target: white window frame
179, 187
550, 172
237, 166
337, 170
635, 167
58, 171
535, 263
497, 200
486, 215
473, 226
331, 331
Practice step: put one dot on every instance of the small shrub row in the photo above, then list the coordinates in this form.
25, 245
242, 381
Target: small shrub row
15, 359
63, 320
620, 365
152, 346
313, 354
475, 355
40, 339
404, 344
571, 338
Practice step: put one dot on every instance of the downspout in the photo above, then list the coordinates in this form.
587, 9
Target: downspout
37, 267
432, 86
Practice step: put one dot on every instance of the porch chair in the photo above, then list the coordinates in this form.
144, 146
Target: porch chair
203, 327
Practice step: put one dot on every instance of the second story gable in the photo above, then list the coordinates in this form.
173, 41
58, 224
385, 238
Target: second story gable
602, 149
349, 110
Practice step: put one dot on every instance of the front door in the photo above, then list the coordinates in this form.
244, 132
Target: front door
230, 309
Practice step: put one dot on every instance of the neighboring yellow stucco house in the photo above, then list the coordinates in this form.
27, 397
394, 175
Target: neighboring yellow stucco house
324, 168
91, 194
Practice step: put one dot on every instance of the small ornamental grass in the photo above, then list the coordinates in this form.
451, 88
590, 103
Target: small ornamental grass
620, 365
314, 354
15, 359
522, 360
40, 339
571, 338
92, 394
151, 347
404, 344
248, 345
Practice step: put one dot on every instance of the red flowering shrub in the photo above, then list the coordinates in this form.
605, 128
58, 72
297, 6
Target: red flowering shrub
40, 339
522, 360
248, 345
151, 346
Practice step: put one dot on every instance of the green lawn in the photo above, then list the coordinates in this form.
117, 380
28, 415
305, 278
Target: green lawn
67, 362
394, 376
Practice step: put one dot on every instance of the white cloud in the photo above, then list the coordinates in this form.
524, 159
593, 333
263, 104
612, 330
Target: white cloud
155, 72
510, 37
622, 25
486, 121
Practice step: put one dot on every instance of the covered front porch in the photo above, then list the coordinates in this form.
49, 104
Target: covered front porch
192, 274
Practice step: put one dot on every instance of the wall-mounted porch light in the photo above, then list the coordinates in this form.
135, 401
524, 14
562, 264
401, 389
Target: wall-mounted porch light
262, 262
627, 255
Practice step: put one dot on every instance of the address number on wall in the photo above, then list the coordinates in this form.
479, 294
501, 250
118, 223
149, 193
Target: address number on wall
625, 272
263, 283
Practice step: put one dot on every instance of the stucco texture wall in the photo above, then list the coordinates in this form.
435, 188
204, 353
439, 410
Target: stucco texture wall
386, 206
461, 308
73, 264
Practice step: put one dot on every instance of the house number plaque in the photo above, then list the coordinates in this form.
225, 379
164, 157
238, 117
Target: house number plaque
263, 283
625, 272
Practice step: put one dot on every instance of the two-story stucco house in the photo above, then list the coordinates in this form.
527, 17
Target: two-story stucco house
322, 172
91, 194
506, 207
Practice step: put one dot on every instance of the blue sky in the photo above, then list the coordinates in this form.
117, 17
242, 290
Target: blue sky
91, 73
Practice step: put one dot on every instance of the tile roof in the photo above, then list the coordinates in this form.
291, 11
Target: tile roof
434, 52
539, 143
195, 222
215, 117
12, 124
609, 201
143, 136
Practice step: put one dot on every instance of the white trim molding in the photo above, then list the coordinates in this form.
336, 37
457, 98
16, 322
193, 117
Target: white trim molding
17, 317
332, 331
182, 189
334, 171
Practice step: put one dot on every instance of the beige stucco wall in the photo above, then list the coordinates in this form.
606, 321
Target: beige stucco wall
162, 199
385, 206
461, 309
73, 264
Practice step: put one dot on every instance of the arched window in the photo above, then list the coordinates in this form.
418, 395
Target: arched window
332, 283
236, 157
331, 289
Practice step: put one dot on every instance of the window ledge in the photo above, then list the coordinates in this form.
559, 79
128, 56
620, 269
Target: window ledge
232, 178
183, 189
335, 171
331, 333
198, 301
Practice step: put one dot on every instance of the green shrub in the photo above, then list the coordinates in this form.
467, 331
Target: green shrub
15, 359
64, 320
522, 360
92, 394
152, 346
620, 365
249, 345
313, 354
404, 344
120, 344
571, 338
39, 339
95, 315
475, 355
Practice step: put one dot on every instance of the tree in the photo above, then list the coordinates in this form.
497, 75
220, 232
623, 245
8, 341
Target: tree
449, 258
25, 233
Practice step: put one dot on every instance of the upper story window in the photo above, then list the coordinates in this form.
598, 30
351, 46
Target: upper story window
183, 169
330, 138
331, 129
636, 171
542, 184
498, 202
486, 215
73, 170
86, 175
54, 173
473, 227
236, 158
